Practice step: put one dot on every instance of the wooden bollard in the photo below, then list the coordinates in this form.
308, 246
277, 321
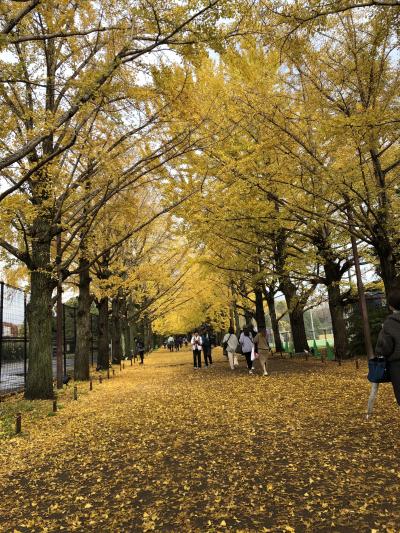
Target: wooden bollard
306, 356
123, 365
18, 423
131, 361
100, 379
340, 361
357, 364
322, 358
90, 384
108, 372
55, 405
113, 372
120, 366
75, 392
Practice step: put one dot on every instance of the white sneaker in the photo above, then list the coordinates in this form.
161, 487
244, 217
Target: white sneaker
251, 371
265, 374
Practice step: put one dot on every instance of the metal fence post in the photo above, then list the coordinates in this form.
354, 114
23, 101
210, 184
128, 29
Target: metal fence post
25, 340
1, 323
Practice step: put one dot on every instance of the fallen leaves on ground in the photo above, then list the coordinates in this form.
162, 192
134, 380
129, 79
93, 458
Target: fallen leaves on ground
165, 448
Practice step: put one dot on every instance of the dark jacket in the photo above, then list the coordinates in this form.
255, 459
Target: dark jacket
388, 344
206, 341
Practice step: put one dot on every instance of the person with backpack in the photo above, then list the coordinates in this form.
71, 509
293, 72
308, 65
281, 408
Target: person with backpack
263, 349
246, 342
230, 343
388, 343
196, 347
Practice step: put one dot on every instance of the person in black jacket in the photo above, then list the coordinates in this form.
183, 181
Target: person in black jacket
206, 340
140, 349
388, 344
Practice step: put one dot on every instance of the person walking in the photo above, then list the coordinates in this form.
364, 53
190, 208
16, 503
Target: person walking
140, 349
206, 342
263, 349
246, 342
230, 343
388, 343
196, 347
171, 343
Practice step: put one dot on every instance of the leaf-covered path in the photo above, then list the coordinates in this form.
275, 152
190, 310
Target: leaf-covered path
166, 448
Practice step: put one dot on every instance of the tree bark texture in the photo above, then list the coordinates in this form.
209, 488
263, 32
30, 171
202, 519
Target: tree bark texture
260, 314
39, 383
338, 322
103, 357
116, 331
296, 316
83, 330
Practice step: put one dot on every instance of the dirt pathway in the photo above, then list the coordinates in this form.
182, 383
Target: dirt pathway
166, 448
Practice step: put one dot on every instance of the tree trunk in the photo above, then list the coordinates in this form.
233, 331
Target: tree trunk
149, 337
83, 330
116, 331
387, 270
127, 338
231, 316
236, 318
39, 383
260, 314
274, 322
103, 357
338, 322
296, 316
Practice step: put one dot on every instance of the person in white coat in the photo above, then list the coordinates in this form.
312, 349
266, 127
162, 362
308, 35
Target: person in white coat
196, 347
246, 342
230, 343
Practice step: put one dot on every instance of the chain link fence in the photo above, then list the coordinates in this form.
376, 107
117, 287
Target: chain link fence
14, 339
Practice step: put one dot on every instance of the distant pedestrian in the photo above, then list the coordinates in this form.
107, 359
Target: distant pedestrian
206, 342
196, 347
170, 343
263, 349
140, 350
177, 344
246, 342
230, 343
